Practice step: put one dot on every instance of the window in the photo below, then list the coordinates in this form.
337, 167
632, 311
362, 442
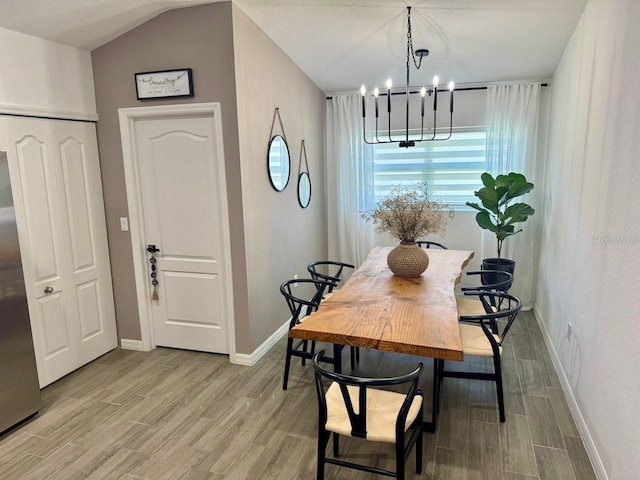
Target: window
452, 168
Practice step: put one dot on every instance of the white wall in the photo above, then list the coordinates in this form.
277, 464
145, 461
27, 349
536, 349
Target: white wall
590, 254
45, 76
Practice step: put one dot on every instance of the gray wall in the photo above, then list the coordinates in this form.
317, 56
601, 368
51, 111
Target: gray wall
200, 38
281, 237
590, 246
233, 63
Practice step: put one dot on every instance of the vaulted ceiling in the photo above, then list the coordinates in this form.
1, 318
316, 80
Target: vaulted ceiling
342, 44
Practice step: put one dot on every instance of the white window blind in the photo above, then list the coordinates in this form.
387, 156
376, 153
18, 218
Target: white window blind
452, 168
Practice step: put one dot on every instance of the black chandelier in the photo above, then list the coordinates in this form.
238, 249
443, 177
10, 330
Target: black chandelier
417, 57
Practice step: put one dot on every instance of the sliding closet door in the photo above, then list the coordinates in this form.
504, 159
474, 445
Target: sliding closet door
60, 214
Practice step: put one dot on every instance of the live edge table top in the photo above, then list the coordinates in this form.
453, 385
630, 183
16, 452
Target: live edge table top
375, 309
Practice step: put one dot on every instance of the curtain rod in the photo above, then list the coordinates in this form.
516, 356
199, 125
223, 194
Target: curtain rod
461, 89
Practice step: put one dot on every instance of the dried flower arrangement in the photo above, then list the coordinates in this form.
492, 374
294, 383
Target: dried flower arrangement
410, 214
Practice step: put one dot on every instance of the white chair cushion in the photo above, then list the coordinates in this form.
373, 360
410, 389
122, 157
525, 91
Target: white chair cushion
383, 408
470, 306
475, 341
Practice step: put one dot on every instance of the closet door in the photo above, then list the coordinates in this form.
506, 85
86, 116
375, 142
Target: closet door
55, 175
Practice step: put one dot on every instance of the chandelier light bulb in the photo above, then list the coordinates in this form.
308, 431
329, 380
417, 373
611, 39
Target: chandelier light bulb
435, 80
389, 84
451, 85
363, 90
376, 92
423, 92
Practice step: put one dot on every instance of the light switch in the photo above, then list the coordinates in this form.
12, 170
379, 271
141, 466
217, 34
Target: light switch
124, 224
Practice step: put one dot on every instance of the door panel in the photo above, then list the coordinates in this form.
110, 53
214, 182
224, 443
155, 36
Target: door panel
88, 305
189, 298
60, 214
179, 175
182, 186
53, 328
30, 153
74, 175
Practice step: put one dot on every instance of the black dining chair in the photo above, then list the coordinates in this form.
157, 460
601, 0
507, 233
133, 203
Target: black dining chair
490, 280
331, 271
482, 335
355, 407
429, 244
300, 308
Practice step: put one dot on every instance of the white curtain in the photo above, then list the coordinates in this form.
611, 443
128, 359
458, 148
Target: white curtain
512, 135
349, 178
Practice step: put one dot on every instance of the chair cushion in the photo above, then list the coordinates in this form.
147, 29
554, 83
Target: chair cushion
383, 408
470, 306
475, 341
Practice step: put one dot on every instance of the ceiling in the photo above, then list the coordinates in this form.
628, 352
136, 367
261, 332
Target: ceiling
342, 44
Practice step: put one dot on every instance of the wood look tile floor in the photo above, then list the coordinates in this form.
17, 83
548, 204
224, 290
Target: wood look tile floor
172, 414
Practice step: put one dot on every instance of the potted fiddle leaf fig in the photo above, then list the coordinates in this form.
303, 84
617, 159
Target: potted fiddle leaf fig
499, 213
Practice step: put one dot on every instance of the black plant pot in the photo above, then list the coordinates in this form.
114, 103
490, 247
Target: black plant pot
502, 264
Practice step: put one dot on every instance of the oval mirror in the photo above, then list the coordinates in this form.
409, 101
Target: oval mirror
278, 162
304, 189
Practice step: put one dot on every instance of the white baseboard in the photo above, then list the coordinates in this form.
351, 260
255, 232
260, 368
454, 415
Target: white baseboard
239, 358
587, 439
127, 344
251, 359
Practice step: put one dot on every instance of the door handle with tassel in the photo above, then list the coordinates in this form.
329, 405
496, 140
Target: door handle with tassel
154, 275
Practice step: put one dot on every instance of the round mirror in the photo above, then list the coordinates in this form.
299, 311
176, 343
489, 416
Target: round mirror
304, 189
278, 162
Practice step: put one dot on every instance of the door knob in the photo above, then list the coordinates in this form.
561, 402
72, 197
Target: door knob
48, 290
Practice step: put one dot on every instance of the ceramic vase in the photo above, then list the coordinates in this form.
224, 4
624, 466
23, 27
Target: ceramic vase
407, 260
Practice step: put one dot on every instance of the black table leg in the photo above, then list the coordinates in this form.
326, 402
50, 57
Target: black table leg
431, 426
337, 357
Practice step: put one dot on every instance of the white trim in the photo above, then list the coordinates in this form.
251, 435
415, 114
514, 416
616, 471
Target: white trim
128, 117
126, 344
251, 359
47, 112
578, 418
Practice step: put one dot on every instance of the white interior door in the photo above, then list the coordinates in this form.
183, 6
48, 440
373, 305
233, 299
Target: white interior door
180, 171
55, 175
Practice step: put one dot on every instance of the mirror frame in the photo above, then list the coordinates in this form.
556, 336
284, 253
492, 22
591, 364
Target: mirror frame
302, 204
288, 161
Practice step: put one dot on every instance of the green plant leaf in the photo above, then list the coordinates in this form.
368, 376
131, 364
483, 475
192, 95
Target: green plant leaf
501, 193
506, 232
520, 189
484, 220
476, 206
502, 181
489, 199
487, 180
518, 212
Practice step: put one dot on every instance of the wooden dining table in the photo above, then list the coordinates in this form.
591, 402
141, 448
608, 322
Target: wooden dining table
376, 309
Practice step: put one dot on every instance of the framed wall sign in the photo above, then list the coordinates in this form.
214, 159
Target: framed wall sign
167, 83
